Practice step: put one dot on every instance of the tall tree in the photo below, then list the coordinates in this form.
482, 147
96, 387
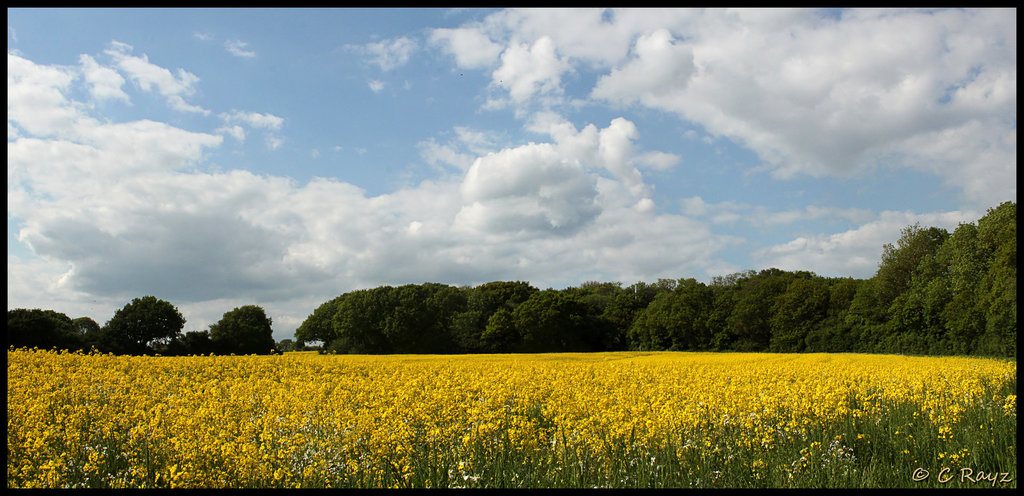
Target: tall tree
964, 320
359, 322
900, 261
319, 325
246, 330
141, 324
997, 289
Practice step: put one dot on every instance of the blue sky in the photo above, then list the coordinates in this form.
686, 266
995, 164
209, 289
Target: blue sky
222, 157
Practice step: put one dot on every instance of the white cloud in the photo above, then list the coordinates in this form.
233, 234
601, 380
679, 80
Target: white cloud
434, 154
104, 82
658, 160
527, 190
659, 68
729, 212
388, 54
234, 131
35, 97
237, 48
530, 70
855, 252
471, 47
810, 93
151, 77
254, 119
375, 85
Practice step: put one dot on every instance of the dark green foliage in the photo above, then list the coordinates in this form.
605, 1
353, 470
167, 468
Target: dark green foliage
319, 326
997, 289
140, 326
798, 313
286, 345
42, 329
675, 320
556, 321
190, 343
246, 330
749, 324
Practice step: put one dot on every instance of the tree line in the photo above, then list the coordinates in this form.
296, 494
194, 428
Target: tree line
934, 293
145, 326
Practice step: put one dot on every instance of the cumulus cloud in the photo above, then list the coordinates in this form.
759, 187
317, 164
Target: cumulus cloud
527, 190
529, 70
234, 131
811, 93
472, 48
35, 97
151, 77
460, 151
659, 68
104, 82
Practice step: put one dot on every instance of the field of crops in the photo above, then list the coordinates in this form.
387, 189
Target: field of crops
549, 420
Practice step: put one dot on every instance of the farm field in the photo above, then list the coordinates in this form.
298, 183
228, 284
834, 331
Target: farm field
623, 419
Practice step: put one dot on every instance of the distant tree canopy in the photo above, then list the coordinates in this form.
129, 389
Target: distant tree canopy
246, 330
42, 329
935, 292
142, 325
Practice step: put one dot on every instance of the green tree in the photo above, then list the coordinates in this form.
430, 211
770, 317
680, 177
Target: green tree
912, 282
141, 324
500, 335
622, 311
675, 320
482, 302
798, 313
997, 289
899, 261
84, 326
359, 322
964, 320
750, 321
864, 321
319, 325
554, 321
832, 335
44, 329
246, 330
725, 291
286, 345
190, 343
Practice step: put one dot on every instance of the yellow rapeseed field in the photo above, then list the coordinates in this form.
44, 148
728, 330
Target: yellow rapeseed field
602, 419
